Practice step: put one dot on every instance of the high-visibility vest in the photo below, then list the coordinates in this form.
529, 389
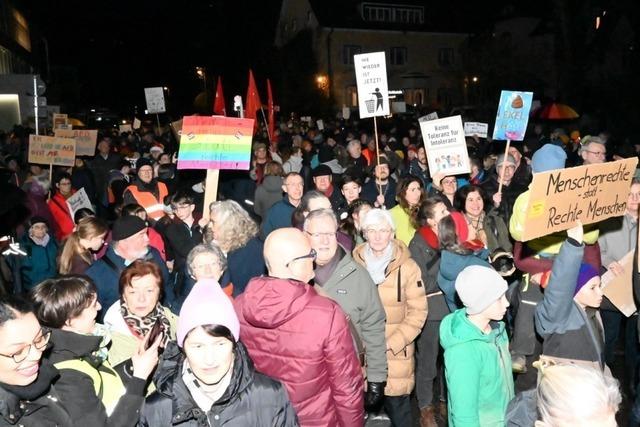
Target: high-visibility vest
107, 383
153, 206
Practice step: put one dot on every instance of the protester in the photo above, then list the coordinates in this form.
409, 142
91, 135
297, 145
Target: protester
380, 190
79, 248
593, 150
410, 194
504, 200
270, 191
279, 215
522, 175
136, 312
146, 190
282, 318
445, 187
41, 249
419, 167
155, 238
62, 219
476, 350
323, 182
102, 164
350, 189
402, 293
351, 224
357, 163
91, 391
261, 156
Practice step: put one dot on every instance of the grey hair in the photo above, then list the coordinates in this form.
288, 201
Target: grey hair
206, 248
235, 224
377, 217
320, 213
568, 394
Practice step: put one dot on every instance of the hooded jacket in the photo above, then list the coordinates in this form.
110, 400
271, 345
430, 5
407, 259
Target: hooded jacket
405, 303
267, 194
451, 264
251, 399
478, 371
302, 339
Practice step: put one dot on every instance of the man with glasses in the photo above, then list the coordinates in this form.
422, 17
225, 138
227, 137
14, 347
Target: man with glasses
300, 338
346, 282
279, 215
147, 191
380, 190
593, 150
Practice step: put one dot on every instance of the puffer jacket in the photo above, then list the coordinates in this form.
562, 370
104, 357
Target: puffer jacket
252, 399
478, 371
302, 339
451, 264
405, 303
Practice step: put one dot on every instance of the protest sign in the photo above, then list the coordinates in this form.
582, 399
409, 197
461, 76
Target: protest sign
430, 116
589, 193
320, 124
136, 123
619, 289
78, 200
85, 140
125, 128
50, 150
215, 143
475, 128
399, 107
60, 120
155, 100
445, 145
513, 115
176, 129
371, 78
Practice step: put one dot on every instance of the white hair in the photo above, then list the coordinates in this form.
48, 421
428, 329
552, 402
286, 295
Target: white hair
377, 217
569, 394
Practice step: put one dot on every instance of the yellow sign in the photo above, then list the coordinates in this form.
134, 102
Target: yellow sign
587, 193
50, 150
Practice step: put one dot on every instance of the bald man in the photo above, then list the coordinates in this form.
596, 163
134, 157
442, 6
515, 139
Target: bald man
300, 338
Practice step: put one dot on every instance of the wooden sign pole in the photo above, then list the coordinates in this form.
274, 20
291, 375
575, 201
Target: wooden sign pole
506, 153
375, 131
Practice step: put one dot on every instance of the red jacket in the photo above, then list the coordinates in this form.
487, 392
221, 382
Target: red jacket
302, 339
61, 216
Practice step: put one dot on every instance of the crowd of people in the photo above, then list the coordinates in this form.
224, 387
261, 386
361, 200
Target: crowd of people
329, 284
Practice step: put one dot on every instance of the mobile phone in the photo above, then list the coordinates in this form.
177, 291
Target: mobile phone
156, 330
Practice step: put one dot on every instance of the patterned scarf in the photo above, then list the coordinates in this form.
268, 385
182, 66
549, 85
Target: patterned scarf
140, 326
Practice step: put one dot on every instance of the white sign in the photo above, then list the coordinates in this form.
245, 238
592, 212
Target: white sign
79, 200
136, 123
430, 116
373, 91
445, 145
320, 124
475, 128
155, 100
125, 128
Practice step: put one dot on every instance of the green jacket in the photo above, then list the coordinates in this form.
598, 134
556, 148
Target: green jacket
478, 372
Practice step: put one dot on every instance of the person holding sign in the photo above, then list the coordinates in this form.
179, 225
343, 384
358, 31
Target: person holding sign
381, 190
503, 200
63, 221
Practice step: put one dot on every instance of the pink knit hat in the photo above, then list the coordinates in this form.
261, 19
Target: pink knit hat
207, 304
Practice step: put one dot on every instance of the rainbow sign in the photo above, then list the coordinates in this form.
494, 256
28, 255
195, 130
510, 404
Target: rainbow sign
215, 142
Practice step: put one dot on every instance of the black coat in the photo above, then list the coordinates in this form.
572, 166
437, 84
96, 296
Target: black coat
252, 399
509, 195
428, 259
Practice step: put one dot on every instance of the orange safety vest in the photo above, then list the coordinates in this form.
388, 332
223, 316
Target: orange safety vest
153, 206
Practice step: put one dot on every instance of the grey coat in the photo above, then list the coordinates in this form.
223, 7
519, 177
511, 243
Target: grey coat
352, 288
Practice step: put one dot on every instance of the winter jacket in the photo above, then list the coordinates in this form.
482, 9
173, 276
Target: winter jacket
451, 264
617, 237
46, 410
478, 371
123, 343
40, 262
252, 399
83, 178
352, 288
509, 195
402, 221
428, 259
267, 194
101, 167
415, 170
150, 196
180, 240
356, 168
243, 264
302, 339
105, 273
37, 202
63, 221
405, 303
370, 192
77, 389
293, 164
564, 325
278, 216
496, 231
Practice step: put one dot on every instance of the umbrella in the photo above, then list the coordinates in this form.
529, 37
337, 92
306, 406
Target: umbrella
555, 111
75, 122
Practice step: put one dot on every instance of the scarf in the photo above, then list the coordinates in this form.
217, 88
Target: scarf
140, 326
324, 272
41, 242
46, 375
376, 266
430, 237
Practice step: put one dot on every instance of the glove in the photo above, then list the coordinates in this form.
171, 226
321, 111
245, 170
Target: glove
374, 395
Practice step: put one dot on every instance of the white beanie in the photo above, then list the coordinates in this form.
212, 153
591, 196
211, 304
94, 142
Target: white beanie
478, 287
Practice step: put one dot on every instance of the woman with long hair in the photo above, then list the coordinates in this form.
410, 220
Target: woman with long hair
351, 224
77, 253
409, 195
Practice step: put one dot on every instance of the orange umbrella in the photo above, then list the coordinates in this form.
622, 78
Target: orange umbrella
555, 111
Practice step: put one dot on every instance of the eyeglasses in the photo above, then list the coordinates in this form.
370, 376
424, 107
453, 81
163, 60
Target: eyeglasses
597, 153
319, 235
448, 181
311, 255
40, 343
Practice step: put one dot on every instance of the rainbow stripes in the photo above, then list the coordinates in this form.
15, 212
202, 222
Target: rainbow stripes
215, 142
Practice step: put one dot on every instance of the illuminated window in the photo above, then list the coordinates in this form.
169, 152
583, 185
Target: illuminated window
21, 30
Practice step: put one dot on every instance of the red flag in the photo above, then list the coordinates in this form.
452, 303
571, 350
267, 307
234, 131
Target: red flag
253, 103
218, 103
272, 113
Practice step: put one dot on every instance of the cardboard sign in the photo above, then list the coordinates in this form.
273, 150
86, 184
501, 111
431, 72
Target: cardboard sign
50, 150
215, 143
430, 116
371, 78
85, 140
176, 129
320, 124
136, 123
475, 128
155, 100
79, 200
60, 120
125, 128
619, 289
589, 193
513, 115
445, 145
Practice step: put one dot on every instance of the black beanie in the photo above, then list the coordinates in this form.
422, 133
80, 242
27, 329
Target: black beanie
127, 226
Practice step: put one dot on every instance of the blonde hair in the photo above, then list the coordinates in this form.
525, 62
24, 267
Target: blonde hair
87, 228
568, 394
236, 226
